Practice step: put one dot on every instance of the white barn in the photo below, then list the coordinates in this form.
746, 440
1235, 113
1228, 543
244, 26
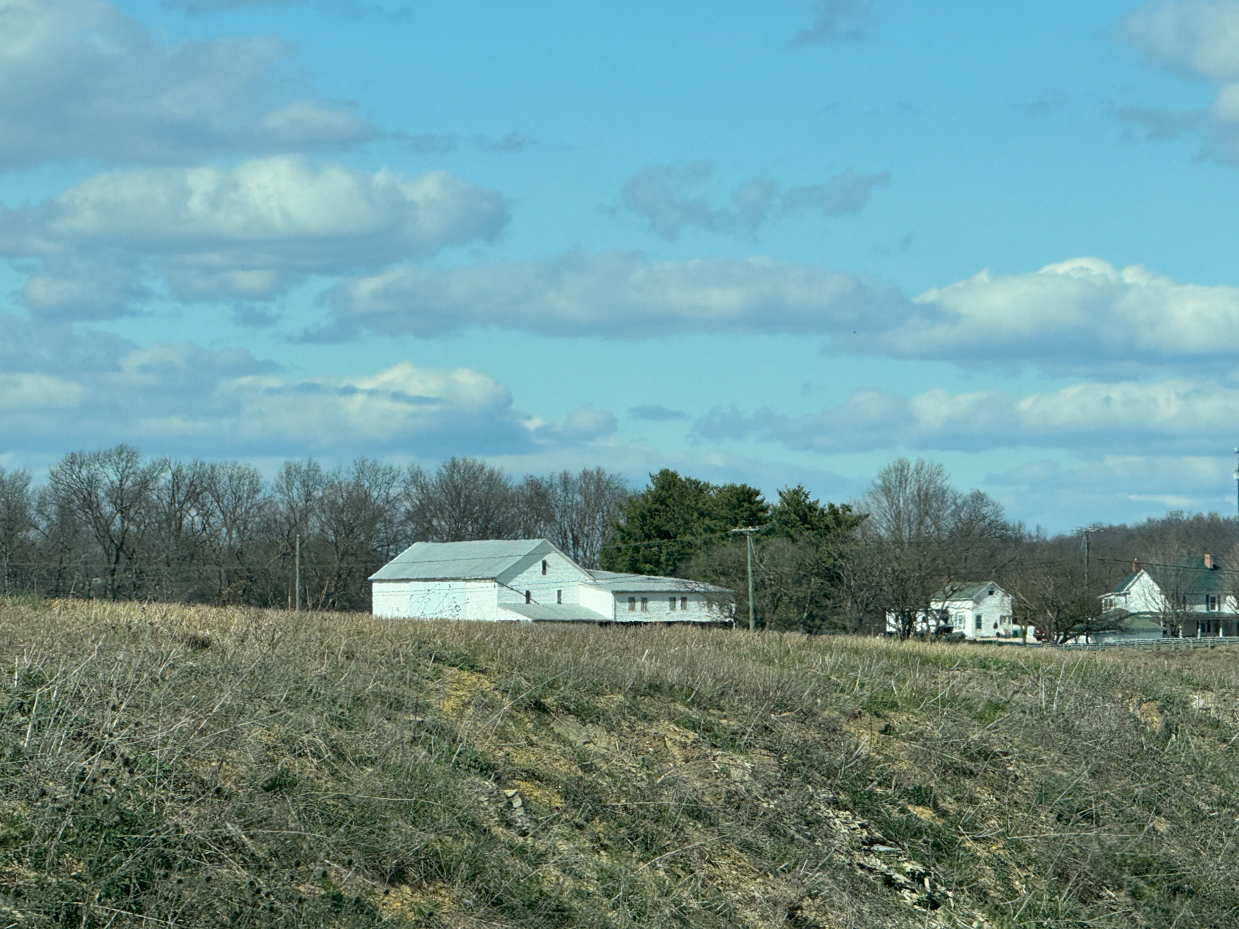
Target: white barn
530, 580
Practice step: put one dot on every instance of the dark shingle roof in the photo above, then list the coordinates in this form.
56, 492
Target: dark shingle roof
1186, 576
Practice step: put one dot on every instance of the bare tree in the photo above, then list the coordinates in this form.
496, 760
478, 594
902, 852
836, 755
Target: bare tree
112, 492
464, 499
237, 507
360, 524
927, 533
16, 522
583, 510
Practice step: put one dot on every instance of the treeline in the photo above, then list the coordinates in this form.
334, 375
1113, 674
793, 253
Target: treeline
115, 525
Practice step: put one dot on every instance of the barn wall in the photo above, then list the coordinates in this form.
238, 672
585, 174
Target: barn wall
600, 601
561, 575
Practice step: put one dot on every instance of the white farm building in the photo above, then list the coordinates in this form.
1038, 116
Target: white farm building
979, 609
530, 580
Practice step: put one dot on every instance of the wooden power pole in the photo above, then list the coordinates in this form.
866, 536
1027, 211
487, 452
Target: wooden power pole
748, 537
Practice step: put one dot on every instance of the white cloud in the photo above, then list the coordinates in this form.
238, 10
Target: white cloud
80, 79
1086, 417
662, 195
186, 399
613, 295
1081, 314
244, 233
1199, 40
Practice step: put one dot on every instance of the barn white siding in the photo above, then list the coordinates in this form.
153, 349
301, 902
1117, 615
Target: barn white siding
530, 580
559, 584
600, 601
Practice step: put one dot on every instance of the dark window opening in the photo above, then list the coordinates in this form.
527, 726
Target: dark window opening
543, 567
632, 604
684, 603
528, 597
559, 596
645, 604
671, 604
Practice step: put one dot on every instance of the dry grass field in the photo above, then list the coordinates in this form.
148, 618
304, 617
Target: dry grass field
181, 766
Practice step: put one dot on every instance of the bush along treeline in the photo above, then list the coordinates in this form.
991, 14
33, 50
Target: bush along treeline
116, 525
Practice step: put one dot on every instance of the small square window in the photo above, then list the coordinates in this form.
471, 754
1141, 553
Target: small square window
632, 604
645, 604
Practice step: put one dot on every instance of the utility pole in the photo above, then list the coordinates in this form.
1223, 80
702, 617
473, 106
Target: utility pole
748, 536
298, 573
1087, 530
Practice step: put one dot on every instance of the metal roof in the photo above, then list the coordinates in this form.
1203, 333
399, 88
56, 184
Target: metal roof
970, 590
483, 560
645, 583
555, 612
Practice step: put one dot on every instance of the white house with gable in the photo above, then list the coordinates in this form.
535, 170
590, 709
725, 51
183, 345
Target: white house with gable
978, 609
1192, 597
530, 580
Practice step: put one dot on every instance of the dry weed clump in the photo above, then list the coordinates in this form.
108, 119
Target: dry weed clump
203, 767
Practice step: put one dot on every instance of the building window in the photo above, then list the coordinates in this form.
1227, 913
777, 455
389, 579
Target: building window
684, 603
1211, 603
559, 596
645, 604
528, 597
671, 604
977, 625
543, 567
632, 604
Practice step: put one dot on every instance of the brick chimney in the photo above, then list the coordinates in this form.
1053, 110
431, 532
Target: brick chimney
1209, 561
1136, 566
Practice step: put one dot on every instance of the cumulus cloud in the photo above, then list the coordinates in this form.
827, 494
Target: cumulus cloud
1079, 314
245, 233
80, 79
663, 195
187, 399
1198, 40
836, 21
1083, 315
1081, 416
612, 295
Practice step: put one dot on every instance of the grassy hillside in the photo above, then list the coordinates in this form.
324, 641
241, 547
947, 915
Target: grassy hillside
195, 767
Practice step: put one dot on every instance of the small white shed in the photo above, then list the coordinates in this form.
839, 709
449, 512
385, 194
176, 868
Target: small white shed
530, 580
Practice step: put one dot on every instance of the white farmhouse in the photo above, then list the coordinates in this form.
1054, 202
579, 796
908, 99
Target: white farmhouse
530, 580
976, 609
1192, 597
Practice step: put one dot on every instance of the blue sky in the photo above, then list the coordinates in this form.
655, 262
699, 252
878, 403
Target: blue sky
778, 245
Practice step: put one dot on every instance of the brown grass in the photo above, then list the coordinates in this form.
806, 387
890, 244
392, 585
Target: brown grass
193, 767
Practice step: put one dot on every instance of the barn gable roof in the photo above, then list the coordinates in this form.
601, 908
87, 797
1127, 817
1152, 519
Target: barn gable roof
491, 559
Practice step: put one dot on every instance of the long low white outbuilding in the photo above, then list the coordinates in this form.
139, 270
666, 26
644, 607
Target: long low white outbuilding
531, 580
